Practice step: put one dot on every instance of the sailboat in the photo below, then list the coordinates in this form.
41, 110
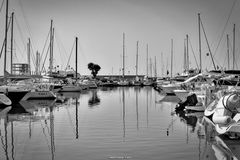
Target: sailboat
14, 93
137, 81
73, 87
146, 81
123, 82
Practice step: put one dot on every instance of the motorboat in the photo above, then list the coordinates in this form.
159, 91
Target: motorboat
123, 83
225, 113
90, 84
192, 83
71, 88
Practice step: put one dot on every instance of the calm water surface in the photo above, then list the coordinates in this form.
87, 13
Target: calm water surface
107, 123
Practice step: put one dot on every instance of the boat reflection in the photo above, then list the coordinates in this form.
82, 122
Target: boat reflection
123, 115
189, 120
219, 146
226, 148
26, 112
63, 97
76, 118
167, 98
4, 111
137, 90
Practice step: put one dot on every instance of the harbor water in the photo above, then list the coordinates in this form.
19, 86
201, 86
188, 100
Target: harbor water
135, 123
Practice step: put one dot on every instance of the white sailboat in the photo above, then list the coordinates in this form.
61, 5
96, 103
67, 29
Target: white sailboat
137, 81
71, 87
123, 82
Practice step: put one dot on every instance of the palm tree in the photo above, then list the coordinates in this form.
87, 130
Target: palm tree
94, 68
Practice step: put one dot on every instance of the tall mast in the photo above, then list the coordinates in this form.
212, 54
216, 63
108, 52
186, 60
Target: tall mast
208, 46
12, 41
155, 68
76, 56
147, 60
28, 56
228, 51
171, 56
51, 49
233, 46
37, 63
187, 52
162, 64
6, 29
184, 57
137, 60
36, 67
123, 70
199, 36
150, 67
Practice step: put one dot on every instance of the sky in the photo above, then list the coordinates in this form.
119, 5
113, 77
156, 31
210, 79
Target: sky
100, 24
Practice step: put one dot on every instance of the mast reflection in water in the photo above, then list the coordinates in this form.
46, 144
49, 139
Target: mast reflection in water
126, 124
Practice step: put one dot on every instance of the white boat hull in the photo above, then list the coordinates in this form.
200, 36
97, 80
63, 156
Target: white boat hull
4, 100
39, 95
169, 89
195, 108
71, 88
182, 94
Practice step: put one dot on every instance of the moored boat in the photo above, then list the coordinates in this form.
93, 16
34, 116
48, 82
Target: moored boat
225, 113
4, 100
14, 93
39, 95
71, 88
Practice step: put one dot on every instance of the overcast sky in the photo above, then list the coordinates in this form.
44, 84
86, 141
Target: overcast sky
99, 25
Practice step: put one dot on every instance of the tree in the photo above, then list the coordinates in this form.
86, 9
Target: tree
94, 68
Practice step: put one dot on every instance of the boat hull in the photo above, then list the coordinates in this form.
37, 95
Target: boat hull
4, 100
71, 89
181, 94
16, 96
39, 95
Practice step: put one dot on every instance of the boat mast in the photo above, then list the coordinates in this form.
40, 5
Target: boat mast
147, 60
137, 61
199, 40
76, 56
53, 31
162, 64
28, 56
187, 52
123, 70
12, 42
171, 56
155, 69
5, 49
208, 45
37, 62
51, 49
150, 67
228, 51
234, 46
184, 57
